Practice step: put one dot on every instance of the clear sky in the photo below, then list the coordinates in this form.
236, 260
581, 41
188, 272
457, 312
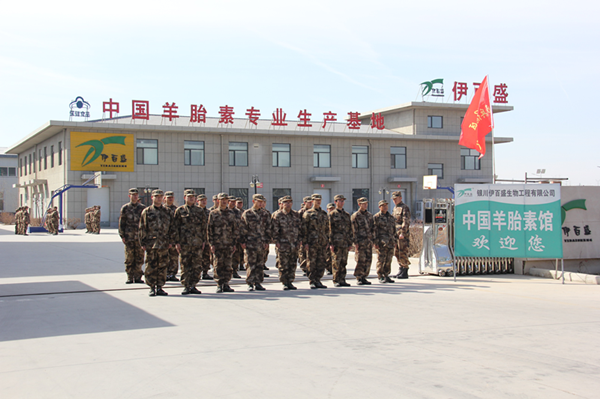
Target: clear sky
337, 56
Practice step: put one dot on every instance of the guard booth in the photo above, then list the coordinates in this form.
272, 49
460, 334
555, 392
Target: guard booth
437, 256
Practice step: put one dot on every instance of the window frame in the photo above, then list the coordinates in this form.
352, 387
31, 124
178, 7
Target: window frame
317, 159
276, 155
430, 120
237, 152
187, 159
430, 169
140, 151
356, 156
463, 159
393, 158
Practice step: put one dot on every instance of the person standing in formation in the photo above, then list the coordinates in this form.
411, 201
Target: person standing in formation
88, 220
222, 237
255, 235
314, 233
237, 257
155, 236
173, 267
285, 231
402, 216
340, 240
201, 202
364, 234
189, 232
302, 257
385, 241
129, 223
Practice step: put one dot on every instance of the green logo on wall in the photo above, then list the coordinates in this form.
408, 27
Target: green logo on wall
575, 204
97, 146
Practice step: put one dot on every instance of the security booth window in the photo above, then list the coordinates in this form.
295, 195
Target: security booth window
360, 156
398, 157
193, 153
322, 156
469, 159
238, 154
436, 169
359, 193
278, 193
281, 155
435, 122
147, 152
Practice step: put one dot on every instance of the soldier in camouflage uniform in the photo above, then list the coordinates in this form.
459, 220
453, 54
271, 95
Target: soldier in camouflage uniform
156, 237
402, 216
255, 235
314, 233
385, 241
88, 220
364, 234
25, 220
340, 240
173, 267
328, 259
18, 220
237, 258
215, 199
302, 258
285, 229
266, 215
189, 232
201, 202
96, 220
129, 223
52, 221
222, 237
239, 204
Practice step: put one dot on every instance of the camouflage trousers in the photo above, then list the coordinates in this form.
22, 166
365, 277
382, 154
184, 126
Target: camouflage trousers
191, 265
316, 259
134, 259
88, 226
329, 262
96, 228
23, 229
206, 259
157, 261
222, 264
339, 259
51, 227
286, 263
237, 258
302, 259
384, 260
364, 256
401, 253
173, 266
254, 259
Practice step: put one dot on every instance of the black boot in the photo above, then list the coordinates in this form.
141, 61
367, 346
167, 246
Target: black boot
403, 272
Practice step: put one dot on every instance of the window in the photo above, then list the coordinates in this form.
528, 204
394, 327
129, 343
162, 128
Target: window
360, 156
8, 171
281, 155
322, 156
242, 193
238, 155
398, 157
21, 167
45, 158
40, 161
31, 162
469, 159
147, 152
278, 193
193, 153
435, 122
436, 169
356, 194
51, 156
60, 152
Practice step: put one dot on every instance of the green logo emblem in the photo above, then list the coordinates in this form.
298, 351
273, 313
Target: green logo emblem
462, 192
97, 146
428, 87
575, 204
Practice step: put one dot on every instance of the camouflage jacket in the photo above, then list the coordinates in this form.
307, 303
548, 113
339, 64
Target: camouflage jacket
363, 227
340, 228
315, 227
129, 221
266, 217
189, 226
96, 216
171, 208
255, 229
54, 217
25, 217
156, 228
222, 228
402, 216
285, 229
385, 229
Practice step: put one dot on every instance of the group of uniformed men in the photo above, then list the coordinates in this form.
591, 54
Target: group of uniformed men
201, 237
52, 221
22, 220
92, 219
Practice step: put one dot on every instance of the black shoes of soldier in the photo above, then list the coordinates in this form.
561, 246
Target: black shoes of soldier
265, 275
186, 291
152, 292
382, 280
389, 280
250, 287
236, 275
342, 284
242, 268
219, 289
138, 281
190, 290
290, 286
224, 288
259, 287
265, 267
161, 292
129, 281
328, 272
317, 284
206, 276
172, 278
402, 273
195, 290
363, 281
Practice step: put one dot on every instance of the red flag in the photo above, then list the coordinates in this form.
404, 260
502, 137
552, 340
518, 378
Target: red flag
478, 120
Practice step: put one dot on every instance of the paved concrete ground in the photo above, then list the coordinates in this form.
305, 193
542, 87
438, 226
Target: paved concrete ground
71, 328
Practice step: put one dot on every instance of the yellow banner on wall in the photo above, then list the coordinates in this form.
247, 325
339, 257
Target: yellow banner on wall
102, 152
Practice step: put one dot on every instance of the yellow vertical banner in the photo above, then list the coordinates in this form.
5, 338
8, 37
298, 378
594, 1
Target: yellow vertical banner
102, 152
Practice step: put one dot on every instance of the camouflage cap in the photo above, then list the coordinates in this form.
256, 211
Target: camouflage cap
231, 198
215, 197
258, 197
362, 200
133, 191
286, 198
157, 192
316, 196
239, 199
397, 194
221, 196
339, 197
330, 205
383, 202
169, 194
307, 199
202, 196
189, 191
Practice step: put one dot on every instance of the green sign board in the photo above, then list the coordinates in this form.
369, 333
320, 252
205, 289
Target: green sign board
508, 220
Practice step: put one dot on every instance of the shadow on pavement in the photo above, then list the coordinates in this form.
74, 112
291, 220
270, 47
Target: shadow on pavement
70, 314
